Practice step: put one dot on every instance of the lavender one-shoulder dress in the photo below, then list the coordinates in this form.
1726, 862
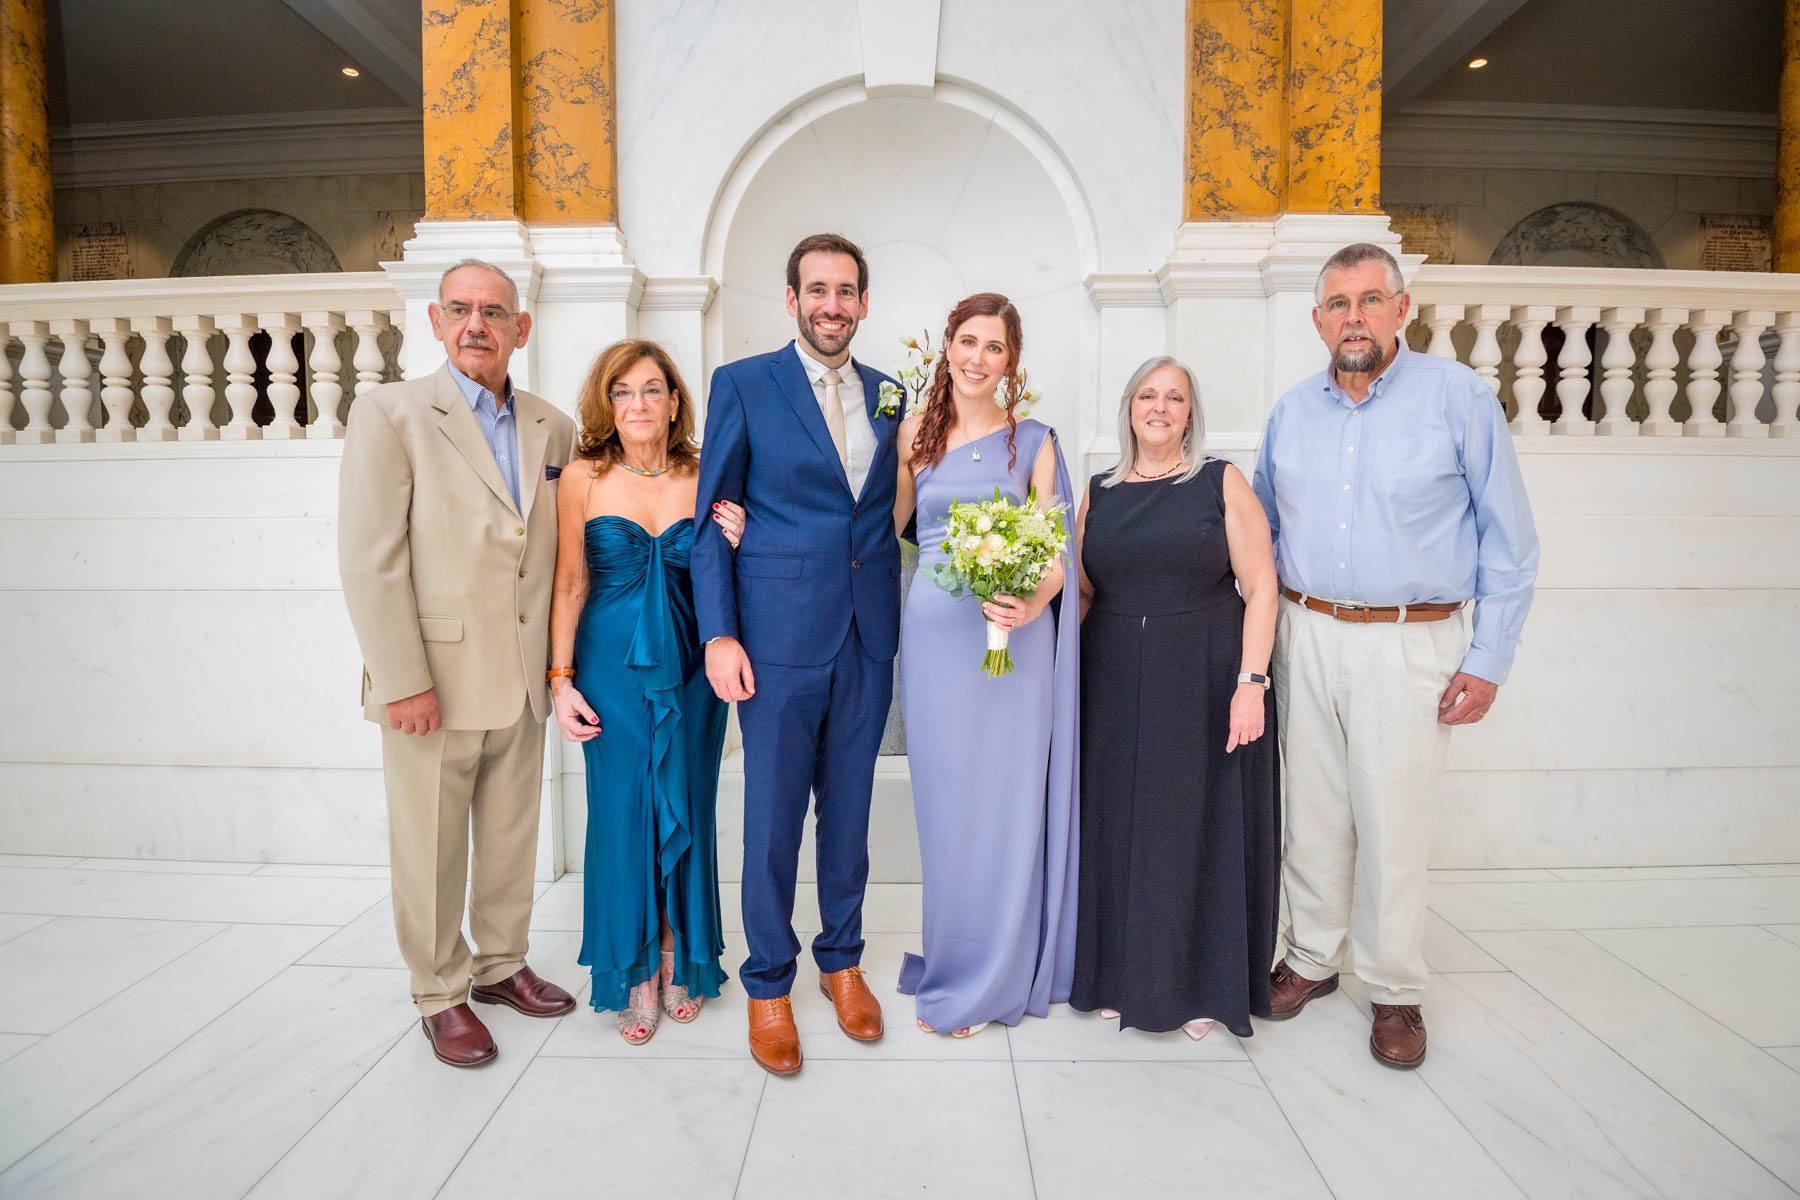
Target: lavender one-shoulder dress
995, 773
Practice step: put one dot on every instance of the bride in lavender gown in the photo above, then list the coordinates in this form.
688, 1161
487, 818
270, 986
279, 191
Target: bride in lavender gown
993, 760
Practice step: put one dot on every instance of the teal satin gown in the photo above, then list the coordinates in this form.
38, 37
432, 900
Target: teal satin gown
653, 771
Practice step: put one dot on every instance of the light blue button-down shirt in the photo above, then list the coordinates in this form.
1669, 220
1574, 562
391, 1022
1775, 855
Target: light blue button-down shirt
1412, 496
497, 426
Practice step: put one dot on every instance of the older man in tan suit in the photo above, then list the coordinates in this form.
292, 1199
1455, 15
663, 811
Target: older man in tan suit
447, 546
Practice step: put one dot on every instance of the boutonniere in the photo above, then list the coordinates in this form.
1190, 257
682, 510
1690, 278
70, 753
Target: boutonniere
887, 400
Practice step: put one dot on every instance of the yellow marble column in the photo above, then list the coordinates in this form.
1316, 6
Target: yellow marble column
27, 212
1334, 107
1787, 147
566, 117
1236, 114
471, 151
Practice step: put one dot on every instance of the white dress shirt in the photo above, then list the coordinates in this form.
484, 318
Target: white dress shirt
859, 433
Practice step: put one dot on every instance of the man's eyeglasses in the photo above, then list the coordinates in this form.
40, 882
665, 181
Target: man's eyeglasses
493, 314
1371, 304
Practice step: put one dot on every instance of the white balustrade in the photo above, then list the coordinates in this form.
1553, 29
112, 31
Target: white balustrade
77, 397
1682, 316
217, 321
115, 379
1572, 384
34, 387
284, 393
1528, 363
1617, 361
159, 373
1786, 391
325, 363
1747, 362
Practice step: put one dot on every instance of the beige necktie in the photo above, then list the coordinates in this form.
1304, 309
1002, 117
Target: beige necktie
834, 418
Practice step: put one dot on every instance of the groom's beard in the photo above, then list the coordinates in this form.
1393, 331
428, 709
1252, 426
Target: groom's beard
827, 345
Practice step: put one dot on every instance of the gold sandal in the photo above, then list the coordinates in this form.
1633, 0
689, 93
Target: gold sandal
675, 996
635, 1016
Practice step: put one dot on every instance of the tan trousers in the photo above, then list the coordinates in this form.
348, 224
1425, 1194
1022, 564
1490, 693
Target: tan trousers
439, 785
1357, 706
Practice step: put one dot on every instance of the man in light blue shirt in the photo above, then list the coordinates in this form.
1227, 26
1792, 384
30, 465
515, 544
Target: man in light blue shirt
497, 425
1395, 498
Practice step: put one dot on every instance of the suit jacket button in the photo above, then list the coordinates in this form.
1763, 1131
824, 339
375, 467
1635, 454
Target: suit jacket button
518, 531
856, 564
523, 618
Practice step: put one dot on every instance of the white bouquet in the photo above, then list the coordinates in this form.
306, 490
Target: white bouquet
994, 548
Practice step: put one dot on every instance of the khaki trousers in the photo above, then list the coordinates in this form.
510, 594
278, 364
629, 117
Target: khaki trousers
439, 785
1357, 706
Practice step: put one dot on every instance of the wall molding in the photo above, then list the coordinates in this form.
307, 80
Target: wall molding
372, 141
1653, 141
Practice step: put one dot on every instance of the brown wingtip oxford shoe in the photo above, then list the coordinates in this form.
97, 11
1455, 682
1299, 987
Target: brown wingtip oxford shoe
458, 1037
1397, 1035
527, 992
774, 1042
858, 1012
1289, 991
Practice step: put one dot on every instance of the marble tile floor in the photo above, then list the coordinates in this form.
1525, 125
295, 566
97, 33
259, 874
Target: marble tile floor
226, 1030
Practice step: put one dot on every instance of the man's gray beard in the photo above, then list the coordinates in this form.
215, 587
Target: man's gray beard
1357, 364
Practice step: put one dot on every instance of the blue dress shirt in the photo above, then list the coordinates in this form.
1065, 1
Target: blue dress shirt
1412, 496
497, 426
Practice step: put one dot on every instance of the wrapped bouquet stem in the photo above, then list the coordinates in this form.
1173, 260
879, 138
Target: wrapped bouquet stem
998, 548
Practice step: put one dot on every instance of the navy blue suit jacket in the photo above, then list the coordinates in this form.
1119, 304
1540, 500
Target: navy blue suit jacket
813, 556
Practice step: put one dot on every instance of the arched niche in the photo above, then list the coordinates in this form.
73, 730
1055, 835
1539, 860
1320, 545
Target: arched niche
948, 195
255, 241
1577, 234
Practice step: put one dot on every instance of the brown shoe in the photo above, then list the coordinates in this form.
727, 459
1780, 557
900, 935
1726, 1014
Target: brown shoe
1397, 1037
458, 1037
1289, 991
774, 1042
525, 991
858, 1012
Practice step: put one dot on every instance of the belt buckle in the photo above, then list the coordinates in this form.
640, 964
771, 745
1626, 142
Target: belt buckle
1347, 606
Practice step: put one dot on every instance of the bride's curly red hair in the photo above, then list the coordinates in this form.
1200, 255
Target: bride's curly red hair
940, 413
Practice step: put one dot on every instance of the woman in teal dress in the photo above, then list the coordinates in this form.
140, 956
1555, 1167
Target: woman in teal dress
628, 679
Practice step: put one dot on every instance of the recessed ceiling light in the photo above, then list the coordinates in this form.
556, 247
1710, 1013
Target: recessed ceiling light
353, 73
1475, 64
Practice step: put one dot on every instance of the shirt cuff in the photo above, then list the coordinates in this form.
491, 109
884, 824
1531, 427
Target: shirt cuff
1485, 664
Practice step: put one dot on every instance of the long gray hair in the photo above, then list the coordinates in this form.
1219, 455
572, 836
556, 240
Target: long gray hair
1193, 442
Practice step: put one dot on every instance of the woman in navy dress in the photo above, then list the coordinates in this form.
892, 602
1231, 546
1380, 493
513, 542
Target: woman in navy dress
628, 679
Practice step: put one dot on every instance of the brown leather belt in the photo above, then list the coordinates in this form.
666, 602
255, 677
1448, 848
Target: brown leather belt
1372, 614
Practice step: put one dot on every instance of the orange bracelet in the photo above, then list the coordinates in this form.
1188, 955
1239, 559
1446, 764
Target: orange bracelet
559, 673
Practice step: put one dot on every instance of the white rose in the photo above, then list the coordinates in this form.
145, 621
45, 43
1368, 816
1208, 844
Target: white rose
971, 543
983, 523
993, 543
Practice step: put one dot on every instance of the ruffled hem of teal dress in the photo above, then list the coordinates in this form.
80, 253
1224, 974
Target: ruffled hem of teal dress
612, 989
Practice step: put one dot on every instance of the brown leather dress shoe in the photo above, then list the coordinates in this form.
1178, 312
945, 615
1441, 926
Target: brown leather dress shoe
525, 991
458, 1037
1397, 1037
774, 1042
1289, 991
858, 1012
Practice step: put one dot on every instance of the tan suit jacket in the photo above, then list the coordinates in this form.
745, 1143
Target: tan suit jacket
447, 581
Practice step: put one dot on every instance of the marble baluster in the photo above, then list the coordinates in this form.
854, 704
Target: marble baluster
77, 394
1786, 391
1485, 357
1572, 362
34, 383
197, 377
1528, 367
1617, 361
1661, 360
240, 367
159, 373
326, 384
1442, 320
116, 395
370, 365
1747, 362
1703, 372
284, 368
6, 387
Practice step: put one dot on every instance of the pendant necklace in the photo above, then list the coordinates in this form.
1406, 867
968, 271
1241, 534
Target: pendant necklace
662, 470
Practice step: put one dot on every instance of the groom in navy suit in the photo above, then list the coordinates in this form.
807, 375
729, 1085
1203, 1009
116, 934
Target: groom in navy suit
801, 627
